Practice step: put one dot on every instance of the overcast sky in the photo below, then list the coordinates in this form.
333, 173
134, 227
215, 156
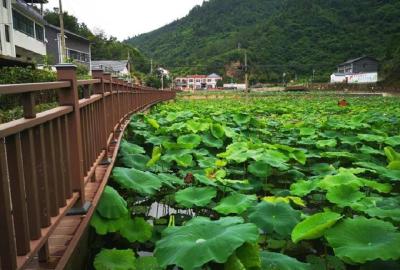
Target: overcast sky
126, 18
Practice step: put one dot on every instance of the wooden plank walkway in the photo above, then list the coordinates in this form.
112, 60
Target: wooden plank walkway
68, 233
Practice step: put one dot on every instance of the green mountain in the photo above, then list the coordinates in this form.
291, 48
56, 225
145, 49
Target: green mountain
291, 36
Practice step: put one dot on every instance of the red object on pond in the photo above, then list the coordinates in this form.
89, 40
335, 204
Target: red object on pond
343, 103
189, 178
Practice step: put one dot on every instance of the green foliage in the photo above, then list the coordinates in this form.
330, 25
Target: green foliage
294, 37
115, 259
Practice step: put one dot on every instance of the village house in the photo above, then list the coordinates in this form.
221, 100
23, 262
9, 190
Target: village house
77, 47
357, 71
197, 82
22, 32
116, 68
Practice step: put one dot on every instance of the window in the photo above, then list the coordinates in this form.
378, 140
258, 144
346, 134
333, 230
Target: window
7, 30
190, 80
23, 24
78, 56
5, 3
39, 32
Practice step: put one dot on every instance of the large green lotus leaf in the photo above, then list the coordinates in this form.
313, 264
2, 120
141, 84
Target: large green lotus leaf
205, 180
189, 141
338, 155
322, 169
384, 172
195, 196
147, 263
236, 152
111, 204
391, 154
235, 204
104, 226
326, 263
207, 162
191, 246
144, 183
299, 156
342, 178
181, 156
127, 148
359, 240
241, 118
371, 151
275, 217
382, 207
344, 195
234, 263
326, 143
278, 261
307, 131
171, 180
249, 256
314, 226
371, 138
351, 140
210, 141
155, 156
153, 123
260, 168
196, 126
136, 230
229, 132
115, 259
302, 188
217, 131
224, 221
394, 165
275, 159
136, 161
393, 141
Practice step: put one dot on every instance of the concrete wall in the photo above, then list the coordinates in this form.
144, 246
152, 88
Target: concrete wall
6, 48
29, 43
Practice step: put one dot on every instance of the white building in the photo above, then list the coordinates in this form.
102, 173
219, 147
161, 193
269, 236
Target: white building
118, 68
22, 32
357, 71
197, 82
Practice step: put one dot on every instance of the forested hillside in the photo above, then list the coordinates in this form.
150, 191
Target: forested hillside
292, 36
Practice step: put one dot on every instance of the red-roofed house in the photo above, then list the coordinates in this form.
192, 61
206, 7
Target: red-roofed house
197, 82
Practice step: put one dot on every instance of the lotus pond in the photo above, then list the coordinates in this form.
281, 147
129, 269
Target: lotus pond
283, 182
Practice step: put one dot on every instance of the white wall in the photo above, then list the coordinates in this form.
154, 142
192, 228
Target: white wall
7, 48
356, 78
29, 43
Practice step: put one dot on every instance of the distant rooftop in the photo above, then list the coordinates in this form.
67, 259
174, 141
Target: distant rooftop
110, 65
214, 75
356, 60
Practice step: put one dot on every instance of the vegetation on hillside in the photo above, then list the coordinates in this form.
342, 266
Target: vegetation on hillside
291, 36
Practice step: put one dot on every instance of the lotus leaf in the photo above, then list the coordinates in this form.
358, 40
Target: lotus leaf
127, 148
326, 143
147, 263
136, 230
115, 259
278, 261
344, 195
371, 138
260, 168
136, 161
299, 156
296, 200
359, 240
195, 196
275, 217
171, 180
217, 131
153, 123
241, 118
104, 225
314, 226
393, 141
111, 204
235, 204
205, 180
302, 187
189, 141
144, 183
210, 141
213, 241
196, 126
155, 156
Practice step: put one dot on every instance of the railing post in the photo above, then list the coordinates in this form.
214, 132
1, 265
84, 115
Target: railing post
8, 251
100, 89
70, 97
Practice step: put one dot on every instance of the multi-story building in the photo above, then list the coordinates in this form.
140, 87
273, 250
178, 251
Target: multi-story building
356, 71
197, 82
77, 47
22, 32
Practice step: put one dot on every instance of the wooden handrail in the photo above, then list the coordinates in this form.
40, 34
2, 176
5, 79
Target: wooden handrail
46, 158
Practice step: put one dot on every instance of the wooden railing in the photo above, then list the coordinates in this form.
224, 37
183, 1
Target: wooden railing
46, 158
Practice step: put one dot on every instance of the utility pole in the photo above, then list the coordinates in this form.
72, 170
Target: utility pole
313, 76
162, 80
246, 76
63, 48
151, 66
